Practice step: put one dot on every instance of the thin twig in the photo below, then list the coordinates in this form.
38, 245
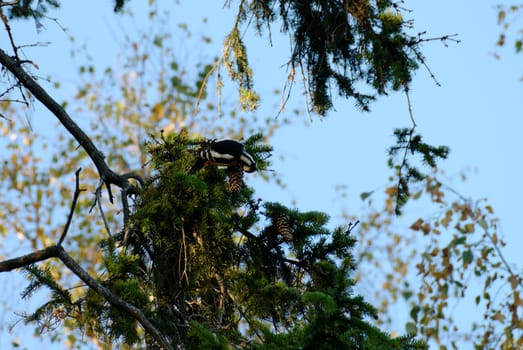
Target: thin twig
244, 315
204, 82
424, 63
76, 194
351, 227
502, 257
443, 39
415, 42
8, 30
409, 106
407, 147
98, 202
126, 214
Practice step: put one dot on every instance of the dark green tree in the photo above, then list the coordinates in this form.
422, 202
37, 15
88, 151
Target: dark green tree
211, 268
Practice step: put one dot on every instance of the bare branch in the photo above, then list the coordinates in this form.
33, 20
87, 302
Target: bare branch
407, 147
351, 227
10, 3
106, 174
8, 30
98, 201
28, 259
77, 191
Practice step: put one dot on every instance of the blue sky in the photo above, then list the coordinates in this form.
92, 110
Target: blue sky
476, 111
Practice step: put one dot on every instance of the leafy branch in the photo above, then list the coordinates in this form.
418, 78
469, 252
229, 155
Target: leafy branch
13, 65
57, 251
408, 142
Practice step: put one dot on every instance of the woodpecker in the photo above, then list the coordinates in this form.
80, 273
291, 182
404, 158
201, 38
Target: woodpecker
225, 152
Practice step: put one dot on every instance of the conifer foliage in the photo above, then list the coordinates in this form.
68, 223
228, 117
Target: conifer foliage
211, 270
212, 267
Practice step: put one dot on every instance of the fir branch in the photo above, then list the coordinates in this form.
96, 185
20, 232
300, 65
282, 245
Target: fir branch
113, 299
409, 142
58, 252
43, 277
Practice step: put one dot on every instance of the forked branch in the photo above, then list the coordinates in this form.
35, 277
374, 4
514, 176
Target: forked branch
113, 299
106, 174
57, 251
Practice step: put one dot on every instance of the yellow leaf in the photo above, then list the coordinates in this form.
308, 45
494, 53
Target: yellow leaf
469, 228
397, 239
517, 300
519, 324
391, 191
514, 281
416, 226
357, 278
499, 317
446, 220
421, 297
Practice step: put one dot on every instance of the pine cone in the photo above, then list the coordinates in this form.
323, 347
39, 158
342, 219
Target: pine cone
235, 178
283, 225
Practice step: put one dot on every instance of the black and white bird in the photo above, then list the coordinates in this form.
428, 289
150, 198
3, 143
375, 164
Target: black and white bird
225, 152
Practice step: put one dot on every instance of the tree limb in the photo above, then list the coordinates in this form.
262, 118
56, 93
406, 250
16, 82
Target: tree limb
57, 251
28, 259
106, 174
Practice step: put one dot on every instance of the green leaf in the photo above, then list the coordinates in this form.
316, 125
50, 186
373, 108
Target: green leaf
411, 328
467, 257
501, 16
414, 312
458, 241
483, 224
365, 195
518, 45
